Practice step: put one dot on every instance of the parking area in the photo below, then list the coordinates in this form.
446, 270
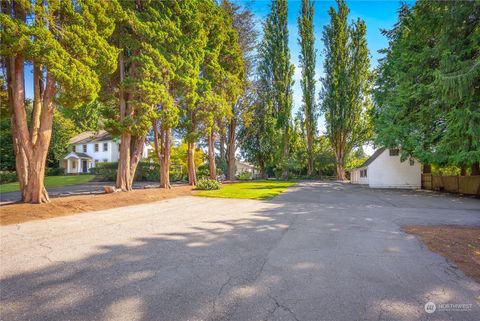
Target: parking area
320, 251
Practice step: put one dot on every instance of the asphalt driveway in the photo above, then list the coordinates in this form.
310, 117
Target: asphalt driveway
68, 190
320, 251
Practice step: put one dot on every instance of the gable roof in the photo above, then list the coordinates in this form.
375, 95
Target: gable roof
377, 153
77, 155
90, 136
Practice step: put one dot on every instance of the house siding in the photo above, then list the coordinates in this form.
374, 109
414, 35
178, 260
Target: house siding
356, 177
389, 172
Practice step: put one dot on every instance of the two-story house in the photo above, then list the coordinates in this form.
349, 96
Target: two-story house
88, 149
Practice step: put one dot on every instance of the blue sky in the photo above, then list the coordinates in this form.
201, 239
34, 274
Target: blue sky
376, 14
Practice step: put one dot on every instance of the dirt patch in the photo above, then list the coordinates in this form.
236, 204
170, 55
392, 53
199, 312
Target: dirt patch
62, 206
460, 244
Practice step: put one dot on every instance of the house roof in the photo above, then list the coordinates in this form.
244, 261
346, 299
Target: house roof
247, 164
90, 136
77, 155
377, 153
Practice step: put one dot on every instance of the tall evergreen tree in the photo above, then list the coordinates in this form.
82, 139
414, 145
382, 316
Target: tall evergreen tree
276, 77
427, 93
244, 23
66, 42
345, 88
142, 81
307, 63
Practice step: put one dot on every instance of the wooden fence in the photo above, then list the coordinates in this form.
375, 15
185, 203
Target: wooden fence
452, 184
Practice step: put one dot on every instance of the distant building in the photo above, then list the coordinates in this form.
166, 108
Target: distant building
384, 169
88, 149
245, 167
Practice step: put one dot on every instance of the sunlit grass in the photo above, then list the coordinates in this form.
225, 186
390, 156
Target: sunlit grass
258, 190
51, 181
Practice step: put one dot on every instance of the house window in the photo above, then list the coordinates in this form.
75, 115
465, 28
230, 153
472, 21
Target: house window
105, 147
394, 152
363, 173
96, 147
74, 163
105, 160
412, 162
74, 148
84, 148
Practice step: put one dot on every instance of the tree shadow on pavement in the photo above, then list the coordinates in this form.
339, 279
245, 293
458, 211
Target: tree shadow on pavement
304, 258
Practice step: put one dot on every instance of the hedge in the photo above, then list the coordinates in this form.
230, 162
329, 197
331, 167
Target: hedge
7, 177
146, 171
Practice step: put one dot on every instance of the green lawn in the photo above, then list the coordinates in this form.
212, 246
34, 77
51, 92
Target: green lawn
52, 181
257, 190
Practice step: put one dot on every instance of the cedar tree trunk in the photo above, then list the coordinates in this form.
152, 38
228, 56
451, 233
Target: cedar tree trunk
231, 149
211, 156
192, 175
162, 149
30, 147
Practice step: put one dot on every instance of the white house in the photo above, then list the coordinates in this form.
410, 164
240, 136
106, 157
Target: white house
384, 169
245, 167
88, 149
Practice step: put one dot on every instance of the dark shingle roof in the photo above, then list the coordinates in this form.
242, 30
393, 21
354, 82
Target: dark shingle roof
80, 155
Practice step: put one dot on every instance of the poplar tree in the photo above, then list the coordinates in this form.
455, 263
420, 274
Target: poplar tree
307, 63
276, 79
346, 85
66, 42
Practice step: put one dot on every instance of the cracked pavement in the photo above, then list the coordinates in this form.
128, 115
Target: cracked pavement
320, 251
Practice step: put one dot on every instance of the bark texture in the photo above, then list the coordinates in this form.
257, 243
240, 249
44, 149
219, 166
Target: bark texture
30, 146
211, 156
231, 147
162, 144
192, 175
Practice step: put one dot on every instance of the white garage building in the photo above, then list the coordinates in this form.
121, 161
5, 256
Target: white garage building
384, 169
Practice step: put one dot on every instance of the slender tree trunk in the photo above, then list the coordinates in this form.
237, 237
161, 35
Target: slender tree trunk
192, 175
463, 170
223, 154
263, 173
340, 158
136, 151
309, 150
211, 156
427, 169
165, 161
285, 152
162, 149
37, 101
231, 149
475, 169
36, 192
123, 172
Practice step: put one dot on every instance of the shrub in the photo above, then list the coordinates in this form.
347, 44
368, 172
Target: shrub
105, 171
148, 171
245, 176
57, 171
203, 172
208, 184
8, 177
